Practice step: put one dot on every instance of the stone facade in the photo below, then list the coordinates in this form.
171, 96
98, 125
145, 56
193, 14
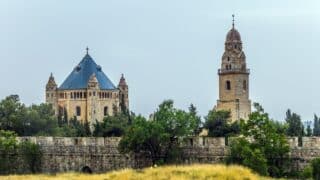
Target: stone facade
87, 103
62, 154
234, 79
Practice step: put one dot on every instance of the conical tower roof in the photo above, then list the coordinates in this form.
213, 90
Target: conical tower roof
79, 77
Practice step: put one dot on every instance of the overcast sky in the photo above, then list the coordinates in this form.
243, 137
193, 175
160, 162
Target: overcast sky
167, 49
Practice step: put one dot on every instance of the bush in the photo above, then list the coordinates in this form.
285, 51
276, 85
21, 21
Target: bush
306, 173
315, 164
31, 155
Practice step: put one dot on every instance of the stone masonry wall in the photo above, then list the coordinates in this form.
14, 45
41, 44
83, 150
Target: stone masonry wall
61, 154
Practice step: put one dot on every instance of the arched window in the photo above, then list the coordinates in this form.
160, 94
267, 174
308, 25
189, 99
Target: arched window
227, 67
244, 85
228, 85
228, 58
105, 111
78, 111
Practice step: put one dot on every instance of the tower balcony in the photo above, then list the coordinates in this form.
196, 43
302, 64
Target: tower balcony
234, 71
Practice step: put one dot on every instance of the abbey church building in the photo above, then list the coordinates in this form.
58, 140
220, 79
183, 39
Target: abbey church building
87, 93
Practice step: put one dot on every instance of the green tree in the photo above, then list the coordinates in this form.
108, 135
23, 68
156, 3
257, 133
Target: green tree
112, 125
142, 136
8, 148
261, 141
11, 114
40, 120
159, 136
194, 114
315, 164
32, 155
218, 125
309, 130
316, 126
295, 126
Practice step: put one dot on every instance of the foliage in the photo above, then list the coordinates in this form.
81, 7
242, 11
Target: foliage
27, 121
113, 125
306, 173
31, 155
315, 164
295, 126
309, 131
159, 136
74, 128
8, 147
261, 141
316, 126
193, 113
142, 136
248, 156
190, 172
218, 125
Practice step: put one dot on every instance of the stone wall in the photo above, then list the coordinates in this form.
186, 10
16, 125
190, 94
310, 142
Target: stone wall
61, 154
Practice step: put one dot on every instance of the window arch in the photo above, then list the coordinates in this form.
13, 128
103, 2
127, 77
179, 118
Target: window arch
105, 111
78, 111
244, 85
228, 85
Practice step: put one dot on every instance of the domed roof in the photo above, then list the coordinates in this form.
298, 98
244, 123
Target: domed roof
80, 76
233, 35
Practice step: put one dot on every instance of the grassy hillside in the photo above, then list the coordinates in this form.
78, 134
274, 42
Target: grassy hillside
191, 172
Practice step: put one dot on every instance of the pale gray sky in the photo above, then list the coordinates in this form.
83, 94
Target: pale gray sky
167, 49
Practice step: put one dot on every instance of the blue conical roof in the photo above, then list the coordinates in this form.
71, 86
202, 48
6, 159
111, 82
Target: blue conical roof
79, 77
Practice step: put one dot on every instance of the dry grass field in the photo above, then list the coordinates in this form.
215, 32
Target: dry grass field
191, 172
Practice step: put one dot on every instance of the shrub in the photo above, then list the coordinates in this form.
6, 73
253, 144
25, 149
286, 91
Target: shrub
315, 164
31, 155
306, 173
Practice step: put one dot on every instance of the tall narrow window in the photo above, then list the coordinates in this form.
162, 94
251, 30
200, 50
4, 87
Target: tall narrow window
228, 85
244, 85
78, 111
105, 111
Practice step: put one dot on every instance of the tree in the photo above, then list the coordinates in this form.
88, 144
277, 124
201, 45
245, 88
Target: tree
112, 125
194, 114
40, 120
159, 137
260, 141
11, 114
32, 155
8, 148
316, 126
315, 164
218, 125
295, 126
309, 131
142, 136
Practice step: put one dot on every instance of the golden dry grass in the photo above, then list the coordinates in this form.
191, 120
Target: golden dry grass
191, 172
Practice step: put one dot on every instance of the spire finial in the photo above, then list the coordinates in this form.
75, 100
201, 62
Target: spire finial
87, 49
232, 20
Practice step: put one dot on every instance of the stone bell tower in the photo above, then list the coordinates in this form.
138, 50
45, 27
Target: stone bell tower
234, 78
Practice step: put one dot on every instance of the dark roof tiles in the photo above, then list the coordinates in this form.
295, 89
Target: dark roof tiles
79, 77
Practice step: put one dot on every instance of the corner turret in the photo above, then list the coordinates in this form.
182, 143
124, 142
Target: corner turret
123, 94
51, 92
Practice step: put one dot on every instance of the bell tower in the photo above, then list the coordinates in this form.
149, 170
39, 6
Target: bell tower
234, 78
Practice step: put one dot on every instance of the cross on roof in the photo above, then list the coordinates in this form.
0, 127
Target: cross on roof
87, 49
232, 20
